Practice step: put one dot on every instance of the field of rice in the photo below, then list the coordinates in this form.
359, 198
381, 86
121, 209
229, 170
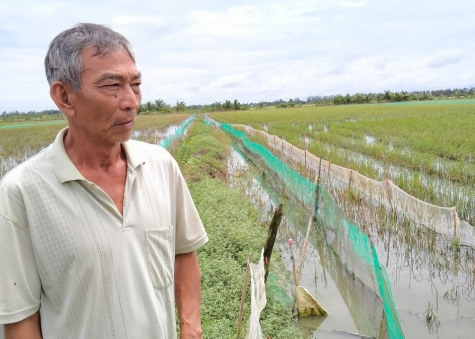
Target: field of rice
426, 149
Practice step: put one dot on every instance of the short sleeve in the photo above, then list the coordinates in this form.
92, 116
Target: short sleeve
190, 232
19, 280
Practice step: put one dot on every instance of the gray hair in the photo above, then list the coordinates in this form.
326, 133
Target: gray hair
63, 61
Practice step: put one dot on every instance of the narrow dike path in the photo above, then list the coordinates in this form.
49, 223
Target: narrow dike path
235, 229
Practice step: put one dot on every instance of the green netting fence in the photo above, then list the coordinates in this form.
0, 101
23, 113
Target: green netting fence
301, 187
347, 244
29, 124
180, 131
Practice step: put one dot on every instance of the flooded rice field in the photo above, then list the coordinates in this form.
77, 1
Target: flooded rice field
432, 281
152, 136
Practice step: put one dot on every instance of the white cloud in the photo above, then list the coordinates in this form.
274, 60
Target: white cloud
129, 19
352, 3
207, 51
445, 58
229, 81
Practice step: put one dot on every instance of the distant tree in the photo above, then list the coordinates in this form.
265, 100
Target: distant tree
227, 105
161, 105
217, 106
149, 106
180, 106
388, 96
236, 105
338, 100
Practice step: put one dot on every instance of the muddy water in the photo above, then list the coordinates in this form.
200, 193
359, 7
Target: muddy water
318, 282
433, 285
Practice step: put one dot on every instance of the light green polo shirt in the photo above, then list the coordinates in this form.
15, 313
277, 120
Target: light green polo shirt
65, 247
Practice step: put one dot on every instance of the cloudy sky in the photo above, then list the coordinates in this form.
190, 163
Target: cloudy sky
204, 51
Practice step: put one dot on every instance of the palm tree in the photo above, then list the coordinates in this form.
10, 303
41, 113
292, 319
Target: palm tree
180, 106
236, 105
227, 105
160, 105
148, 106
217, 106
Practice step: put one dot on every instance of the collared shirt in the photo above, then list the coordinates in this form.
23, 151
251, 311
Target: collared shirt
95, 273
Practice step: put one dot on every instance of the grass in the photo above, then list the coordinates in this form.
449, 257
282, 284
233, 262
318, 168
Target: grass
428, 149
235, 230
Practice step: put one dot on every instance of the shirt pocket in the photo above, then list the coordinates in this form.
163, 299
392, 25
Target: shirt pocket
160, 256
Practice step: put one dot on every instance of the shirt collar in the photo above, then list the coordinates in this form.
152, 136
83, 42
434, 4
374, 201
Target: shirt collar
65, 169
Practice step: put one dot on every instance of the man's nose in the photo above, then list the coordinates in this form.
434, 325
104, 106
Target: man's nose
130, 98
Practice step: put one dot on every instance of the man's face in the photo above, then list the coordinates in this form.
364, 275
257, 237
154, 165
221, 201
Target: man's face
106, 105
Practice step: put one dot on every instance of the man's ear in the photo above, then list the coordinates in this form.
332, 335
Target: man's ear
61, 94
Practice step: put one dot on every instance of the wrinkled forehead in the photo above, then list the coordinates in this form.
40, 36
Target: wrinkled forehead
117, 63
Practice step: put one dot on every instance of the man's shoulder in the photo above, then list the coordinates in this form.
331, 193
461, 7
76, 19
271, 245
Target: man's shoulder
23, 177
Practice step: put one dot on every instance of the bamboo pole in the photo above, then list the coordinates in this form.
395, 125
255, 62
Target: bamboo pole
291, 242
271, 235
304, 249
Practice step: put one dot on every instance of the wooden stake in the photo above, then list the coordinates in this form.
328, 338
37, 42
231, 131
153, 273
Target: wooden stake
271, 235
304, 249
243, 296
291, 242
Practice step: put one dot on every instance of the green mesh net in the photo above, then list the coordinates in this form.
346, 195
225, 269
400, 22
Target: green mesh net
180, 131
366, 288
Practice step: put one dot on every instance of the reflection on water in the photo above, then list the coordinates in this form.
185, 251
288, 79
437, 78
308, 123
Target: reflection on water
152, 135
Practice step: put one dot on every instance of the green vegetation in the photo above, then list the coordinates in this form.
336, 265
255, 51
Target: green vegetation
235, 230
422, 144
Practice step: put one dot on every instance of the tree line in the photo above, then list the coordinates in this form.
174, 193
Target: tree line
388, 96
160, 107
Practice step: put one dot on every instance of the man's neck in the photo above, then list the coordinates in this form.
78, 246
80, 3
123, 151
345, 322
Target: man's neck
90, 155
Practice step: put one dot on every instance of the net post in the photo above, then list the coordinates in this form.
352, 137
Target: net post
305, 156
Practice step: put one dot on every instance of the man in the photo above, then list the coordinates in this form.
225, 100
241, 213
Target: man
97, 233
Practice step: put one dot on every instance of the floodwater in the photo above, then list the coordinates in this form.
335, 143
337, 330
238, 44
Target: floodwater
339, 323
432, 282
157, 134
8, 163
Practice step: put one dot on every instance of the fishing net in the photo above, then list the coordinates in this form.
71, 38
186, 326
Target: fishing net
443, 220
364, 284
180, 131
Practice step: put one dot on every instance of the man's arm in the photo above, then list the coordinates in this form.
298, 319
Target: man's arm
28, 328
188, 295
